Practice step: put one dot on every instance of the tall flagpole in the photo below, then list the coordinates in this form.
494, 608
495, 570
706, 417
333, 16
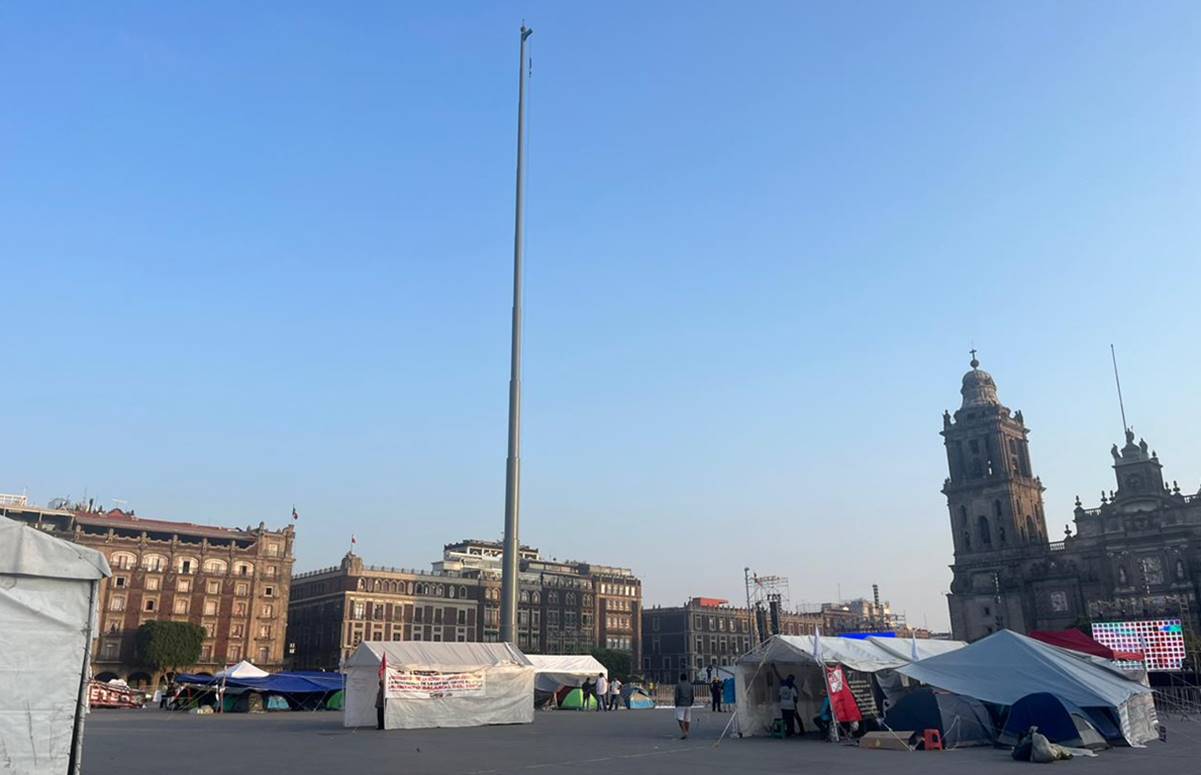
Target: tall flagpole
511, 567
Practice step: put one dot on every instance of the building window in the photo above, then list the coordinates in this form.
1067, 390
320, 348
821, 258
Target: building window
268, 611
210, 607
244, 569
151, 604
268, 591
237, 630
462, 618
234, 653
154, 562
264, 631
272, 550
123, 560
152, 583
241, 589
215, 567
186, 565
212, 587
183, 585
264, 655
271, 571
239, 608
181, 605
120, 582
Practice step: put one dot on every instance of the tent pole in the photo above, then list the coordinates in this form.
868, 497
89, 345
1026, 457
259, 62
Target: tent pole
75, 760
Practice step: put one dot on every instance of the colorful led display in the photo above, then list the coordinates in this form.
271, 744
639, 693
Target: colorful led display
1160, 640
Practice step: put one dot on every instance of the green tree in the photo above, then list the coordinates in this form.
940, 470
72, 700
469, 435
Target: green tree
616, 662
168, 646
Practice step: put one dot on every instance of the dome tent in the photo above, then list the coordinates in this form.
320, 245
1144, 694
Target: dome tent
961, 721
1060, 720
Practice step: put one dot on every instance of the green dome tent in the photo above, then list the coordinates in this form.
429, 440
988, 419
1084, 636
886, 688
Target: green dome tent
575, 701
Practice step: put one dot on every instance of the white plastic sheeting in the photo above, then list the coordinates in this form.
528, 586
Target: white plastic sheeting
508, 685
758, 673
47, 616
1006, 666
553, 671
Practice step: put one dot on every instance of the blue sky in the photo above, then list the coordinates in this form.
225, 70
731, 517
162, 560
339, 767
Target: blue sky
257, 256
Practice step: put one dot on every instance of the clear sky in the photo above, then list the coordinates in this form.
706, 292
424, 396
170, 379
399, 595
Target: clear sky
257, 255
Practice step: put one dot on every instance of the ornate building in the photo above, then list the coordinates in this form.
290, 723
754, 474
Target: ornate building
563, 607
1137, 555
232, 582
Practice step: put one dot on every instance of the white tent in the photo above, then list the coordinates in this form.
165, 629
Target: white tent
243, 669
554, 671
432, 684
758, 673
48, 596
1006, 666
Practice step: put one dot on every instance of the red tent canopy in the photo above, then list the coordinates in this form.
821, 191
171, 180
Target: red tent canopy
1078, 641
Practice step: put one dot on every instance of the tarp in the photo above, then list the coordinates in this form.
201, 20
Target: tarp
436, 684
1077, 641
758, 673
553, 671
243, 669
1006, 666
279, 683
48, 603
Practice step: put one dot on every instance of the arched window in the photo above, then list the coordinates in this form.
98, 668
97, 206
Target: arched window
123, 560
525, 597
967, 540
215, 567
1031, 530
982, 531
1001, 533
186, 565
463, 592
154, 562
963, 516
243, 569
996, 508
450, 591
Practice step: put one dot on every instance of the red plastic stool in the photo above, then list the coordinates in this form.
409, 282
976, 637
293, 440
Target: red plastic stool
933, 740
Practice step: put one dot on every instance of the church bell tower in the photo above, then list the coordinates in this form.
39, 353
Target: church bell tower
994, 498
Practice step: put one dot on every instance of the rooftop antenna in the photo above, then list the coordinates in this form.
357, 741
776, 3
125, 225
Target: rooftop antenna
1121, 405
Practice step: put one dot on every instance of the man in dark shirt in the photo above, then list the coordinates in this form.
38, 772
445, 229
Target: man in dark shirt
715, 689
683, 701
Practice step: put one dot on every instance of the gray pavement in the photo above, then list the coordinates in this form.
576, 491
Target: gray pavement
622, 743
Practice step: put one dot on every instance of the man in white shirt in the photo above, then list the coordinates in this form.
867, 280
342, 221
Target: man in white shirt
614, 693
602, 692
789, 694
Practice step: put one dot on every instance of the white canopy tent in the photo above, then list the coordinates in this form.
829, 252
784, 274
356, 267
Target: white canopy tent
554, 671
243, 669
432, 684
48, 596
758, 672
1006, 666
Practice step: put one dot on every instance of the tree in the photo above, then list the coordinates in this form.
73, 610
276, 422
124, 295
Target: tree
168, 646
616, 662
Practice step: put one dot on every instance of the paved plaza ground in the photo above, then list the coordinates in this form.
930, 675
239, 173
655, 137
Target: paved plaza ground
623, 743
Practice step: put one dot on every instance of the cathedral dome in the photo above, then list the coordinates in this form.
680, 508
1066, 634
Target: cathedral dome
978, 389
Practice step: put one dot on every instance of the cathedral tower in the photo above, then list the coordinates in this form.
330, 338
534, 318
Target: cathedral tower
994, 498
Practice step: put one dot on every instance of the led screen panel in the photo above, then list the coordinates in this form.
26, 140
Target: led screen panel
1161, 640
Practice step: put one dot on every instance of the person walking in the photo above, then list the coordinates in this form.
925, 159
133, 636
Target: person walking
715, 689
683, 702
614, 693
602, 692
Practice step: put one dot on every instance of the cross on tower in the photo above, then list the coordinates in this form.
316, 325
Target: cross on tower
975, 362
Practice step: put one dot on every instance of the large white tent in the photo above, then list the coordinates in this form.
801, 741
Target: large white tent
758, 673
554, 671
48, 596
1006, 666
433, 684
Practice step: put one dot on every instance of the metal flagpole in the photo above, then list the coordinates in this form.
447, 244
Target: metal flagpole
509, 581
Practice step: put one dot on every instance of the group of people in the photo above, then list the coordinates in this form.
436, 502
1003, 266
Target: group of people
606, 693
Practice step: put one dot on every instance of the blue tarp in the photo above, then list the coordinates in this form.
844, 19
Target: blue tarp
300, 682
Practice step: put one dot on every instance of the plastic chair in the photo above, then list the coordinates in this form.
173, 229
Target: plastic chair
932, 740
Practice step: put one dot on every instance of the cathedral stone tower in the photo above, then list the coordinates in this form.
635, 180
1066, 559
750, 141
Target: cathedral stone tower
995, 501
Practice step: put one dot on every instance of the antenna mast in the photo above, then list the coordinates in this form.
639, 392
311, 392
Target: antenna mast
1121, 404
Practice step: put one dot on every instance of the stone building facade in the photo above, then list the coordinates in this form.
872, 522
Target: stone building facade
1136, 555
706, 633
233, 582
563, 607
